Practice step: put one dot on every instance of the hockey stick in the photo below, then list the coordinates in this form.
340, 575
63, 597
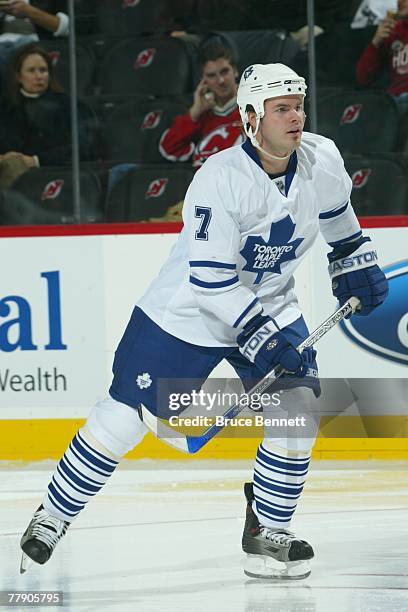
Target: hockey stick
192, 444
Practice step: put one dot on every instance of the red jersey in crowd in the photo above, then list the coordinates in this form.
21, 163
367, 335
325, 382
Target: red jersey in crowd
215, 130
393, 51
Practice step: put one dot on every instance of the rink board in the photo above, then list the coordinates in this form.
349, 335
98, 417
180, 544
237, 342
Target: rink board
67, 294
33, 440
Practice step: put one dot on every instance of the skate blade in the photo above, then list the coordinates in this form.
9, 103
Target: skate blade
25, 563
266, 568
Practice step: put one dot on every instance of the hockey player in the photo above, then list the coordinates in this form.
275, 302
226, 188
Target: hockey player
251, 214
212, 123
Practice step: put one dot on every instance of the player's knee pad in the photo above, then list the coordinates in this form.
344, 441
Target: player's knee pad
291, 447
116, 426
298, 422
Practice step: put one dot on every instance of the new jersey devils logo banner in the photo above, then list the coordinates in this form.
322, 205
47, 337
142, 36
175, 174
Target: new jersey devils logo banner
52, 190
151, 120
351, 114
55, 57
144, 59
360, 177
156, 188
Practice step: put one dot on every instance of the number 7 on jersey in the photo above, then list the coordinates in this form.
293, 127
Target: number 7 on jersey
204, 213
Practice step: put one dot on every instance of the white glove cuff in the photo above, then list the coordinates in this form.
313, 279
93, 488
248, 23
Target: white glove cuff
258, 339
364, 257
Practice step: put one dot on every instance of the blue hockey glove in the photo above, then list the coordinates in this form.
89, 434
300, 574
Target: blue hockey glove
353, 271
266, 346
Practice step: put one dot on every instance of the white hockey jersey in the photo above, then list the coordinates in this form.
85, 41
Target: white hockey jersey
244, 235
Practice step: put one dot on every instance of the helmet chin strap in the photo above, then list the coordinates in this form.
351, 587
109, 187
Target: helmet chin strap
256, 144
252, 136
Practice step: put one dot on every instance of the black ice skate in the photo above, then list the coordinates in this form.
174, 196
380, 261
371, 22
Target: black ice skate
272, 553
40, 538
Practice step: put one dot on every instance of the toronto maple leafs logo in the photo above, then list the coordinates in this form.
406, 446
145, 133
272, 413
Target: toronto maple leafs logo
144, 381
248, 72
268, 256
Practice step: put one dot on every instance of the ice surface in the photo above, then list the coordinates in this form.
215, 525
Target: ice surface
165, 536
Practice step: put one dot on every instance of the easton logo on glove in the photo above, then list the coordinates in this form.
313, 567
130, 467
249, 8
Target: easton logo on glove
354, 272
358, 260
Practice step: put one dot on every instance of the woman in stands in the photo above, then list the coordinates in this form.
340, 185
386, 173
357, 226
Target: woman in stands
35, 122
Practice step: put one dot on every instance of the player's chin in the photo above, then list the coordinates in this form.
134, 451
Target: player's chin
295, 137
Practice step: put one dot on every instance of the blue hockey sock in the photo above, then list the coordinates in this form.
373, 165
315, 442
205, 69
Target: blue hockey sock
278, 483
79, 475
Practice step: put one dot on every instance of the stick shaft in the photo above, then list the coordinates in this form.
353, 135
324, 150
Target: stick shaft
195, 443
192, 444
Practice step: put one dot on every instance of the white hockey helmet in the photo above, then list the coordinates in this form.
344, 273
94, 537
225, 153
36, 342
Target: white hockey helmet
260, 82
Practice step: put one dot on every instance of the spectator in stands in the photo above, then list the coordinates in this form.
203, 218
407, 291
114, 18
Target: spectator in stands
23, 21
35, 125
372, 12
212, 122
388, 48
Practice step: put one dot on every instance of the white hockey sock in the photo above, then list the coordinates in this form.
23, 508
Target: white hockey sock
79, 475
279, 477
